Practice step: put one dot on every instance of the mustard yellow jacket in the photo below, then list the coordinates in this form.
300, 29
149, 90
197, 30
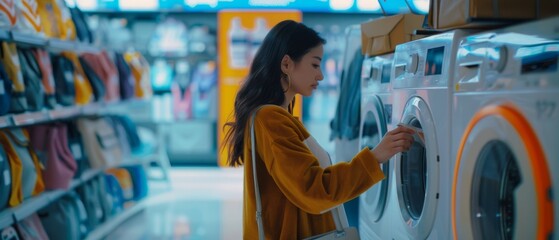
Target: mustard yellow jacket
294, 189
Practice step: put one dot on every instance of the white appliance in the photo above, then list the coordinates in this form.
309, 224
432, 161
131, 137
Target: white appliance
376, 119
506, 134
421, 77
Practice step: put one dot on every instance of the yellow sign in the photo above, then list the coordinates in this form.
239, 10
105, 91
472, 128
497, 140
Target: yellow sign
235, 53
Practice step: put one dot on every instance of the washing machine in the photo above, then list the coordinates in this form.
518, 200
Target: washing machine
376, 120
422, 75
506, 134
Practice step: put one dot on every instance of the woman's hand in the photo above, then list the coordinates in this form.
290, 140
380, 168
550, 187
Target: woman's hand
395, 141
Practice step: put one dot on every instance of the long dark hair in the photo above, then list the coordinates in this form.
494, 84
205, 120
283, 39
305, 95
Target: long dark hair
263, 84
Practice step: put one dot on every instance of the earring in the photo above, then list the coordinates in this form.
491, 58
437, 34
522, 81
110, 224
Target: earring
288, 83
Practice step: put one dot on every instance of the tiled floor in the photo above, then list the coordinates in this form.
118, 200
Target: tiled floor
199, 203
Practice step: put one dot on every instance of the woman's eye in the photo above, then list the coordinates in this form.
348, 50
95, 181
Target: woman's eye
316, 65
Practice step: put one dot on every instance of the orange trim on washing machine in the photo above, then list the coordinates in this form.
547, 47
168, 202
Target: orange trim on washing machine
537, 158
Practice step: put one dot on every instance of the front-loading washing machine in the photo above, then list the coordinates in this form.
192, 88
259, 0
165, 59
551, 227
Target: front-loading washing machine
422, 74
506, 134
376, 119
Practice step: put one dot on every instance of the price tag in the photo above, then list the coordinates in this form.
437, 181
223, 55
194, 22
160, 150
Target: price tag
76, 151
7, 177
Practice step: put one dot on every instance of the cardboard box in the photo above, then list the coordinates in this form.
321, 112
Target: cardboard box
448, 14
382, 35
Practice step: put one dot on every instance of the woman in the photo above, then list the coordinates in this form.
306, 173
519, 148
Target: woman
296, 192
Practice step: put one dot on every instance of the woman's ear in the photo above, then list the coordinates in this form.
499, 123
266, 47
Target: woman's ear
286, 64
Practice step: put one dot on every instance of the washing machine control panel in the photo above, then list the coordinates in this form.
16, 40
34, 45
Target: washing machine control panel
507, 61
525, 56
376, 74
426, 63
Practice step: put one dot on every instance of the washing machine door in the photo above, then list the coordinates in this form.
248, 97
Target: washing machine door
417, 172
501, 187
375, 115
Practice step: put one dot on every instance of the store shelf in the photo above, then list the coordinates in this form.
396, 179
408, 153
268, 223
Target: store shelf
4, 34
115, 221
64, 113
6, 218
29, 118
28, 39
92, 109
5, 121
62, 45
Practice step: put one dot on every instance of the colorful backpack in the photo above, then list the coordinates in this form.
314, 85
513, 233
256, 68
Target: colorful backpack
100, 142
45, 66
5, 179
94, 80
49, 18
81, 212
66, 26
61, 220
127, 82
30, 182
106, 69
139, 181
82, 28
5, 91
89, 198
114, 191
75, 145
8, 16
9, 233
84, 92
34, 91
31, 228
29, 20
63, 71
51, 144
10, 60
141, 73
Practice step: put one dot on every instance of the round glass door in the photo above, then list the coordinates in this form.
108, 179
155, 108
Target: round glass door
496, 178
413, 169
373, 129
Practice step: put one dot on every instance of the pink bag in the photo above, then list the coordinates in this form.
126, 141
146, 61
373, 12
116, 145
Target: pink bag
51, 144
31, 228
107, 71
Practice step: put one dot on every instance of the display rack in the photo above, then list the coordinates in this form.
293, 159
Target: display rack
11, 216
29, 206
53, 44
62, 113
116, 220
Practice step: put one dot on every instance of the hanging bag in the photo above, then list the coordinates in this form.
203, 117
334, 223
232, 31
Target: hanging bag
100, 142
8, 17
340, 233
60, 220
5, 179
94, 79
75, 145
9, 233
63, 71
5, 91
51, 144
107, 71
28, 19
83, 30
93, 209
84, 92
127, 82
34, 91
10, 60
45, 66
31, 228
31, 177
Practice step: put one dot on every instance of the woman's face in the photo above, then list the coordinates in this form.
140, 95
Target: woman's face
306, 73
